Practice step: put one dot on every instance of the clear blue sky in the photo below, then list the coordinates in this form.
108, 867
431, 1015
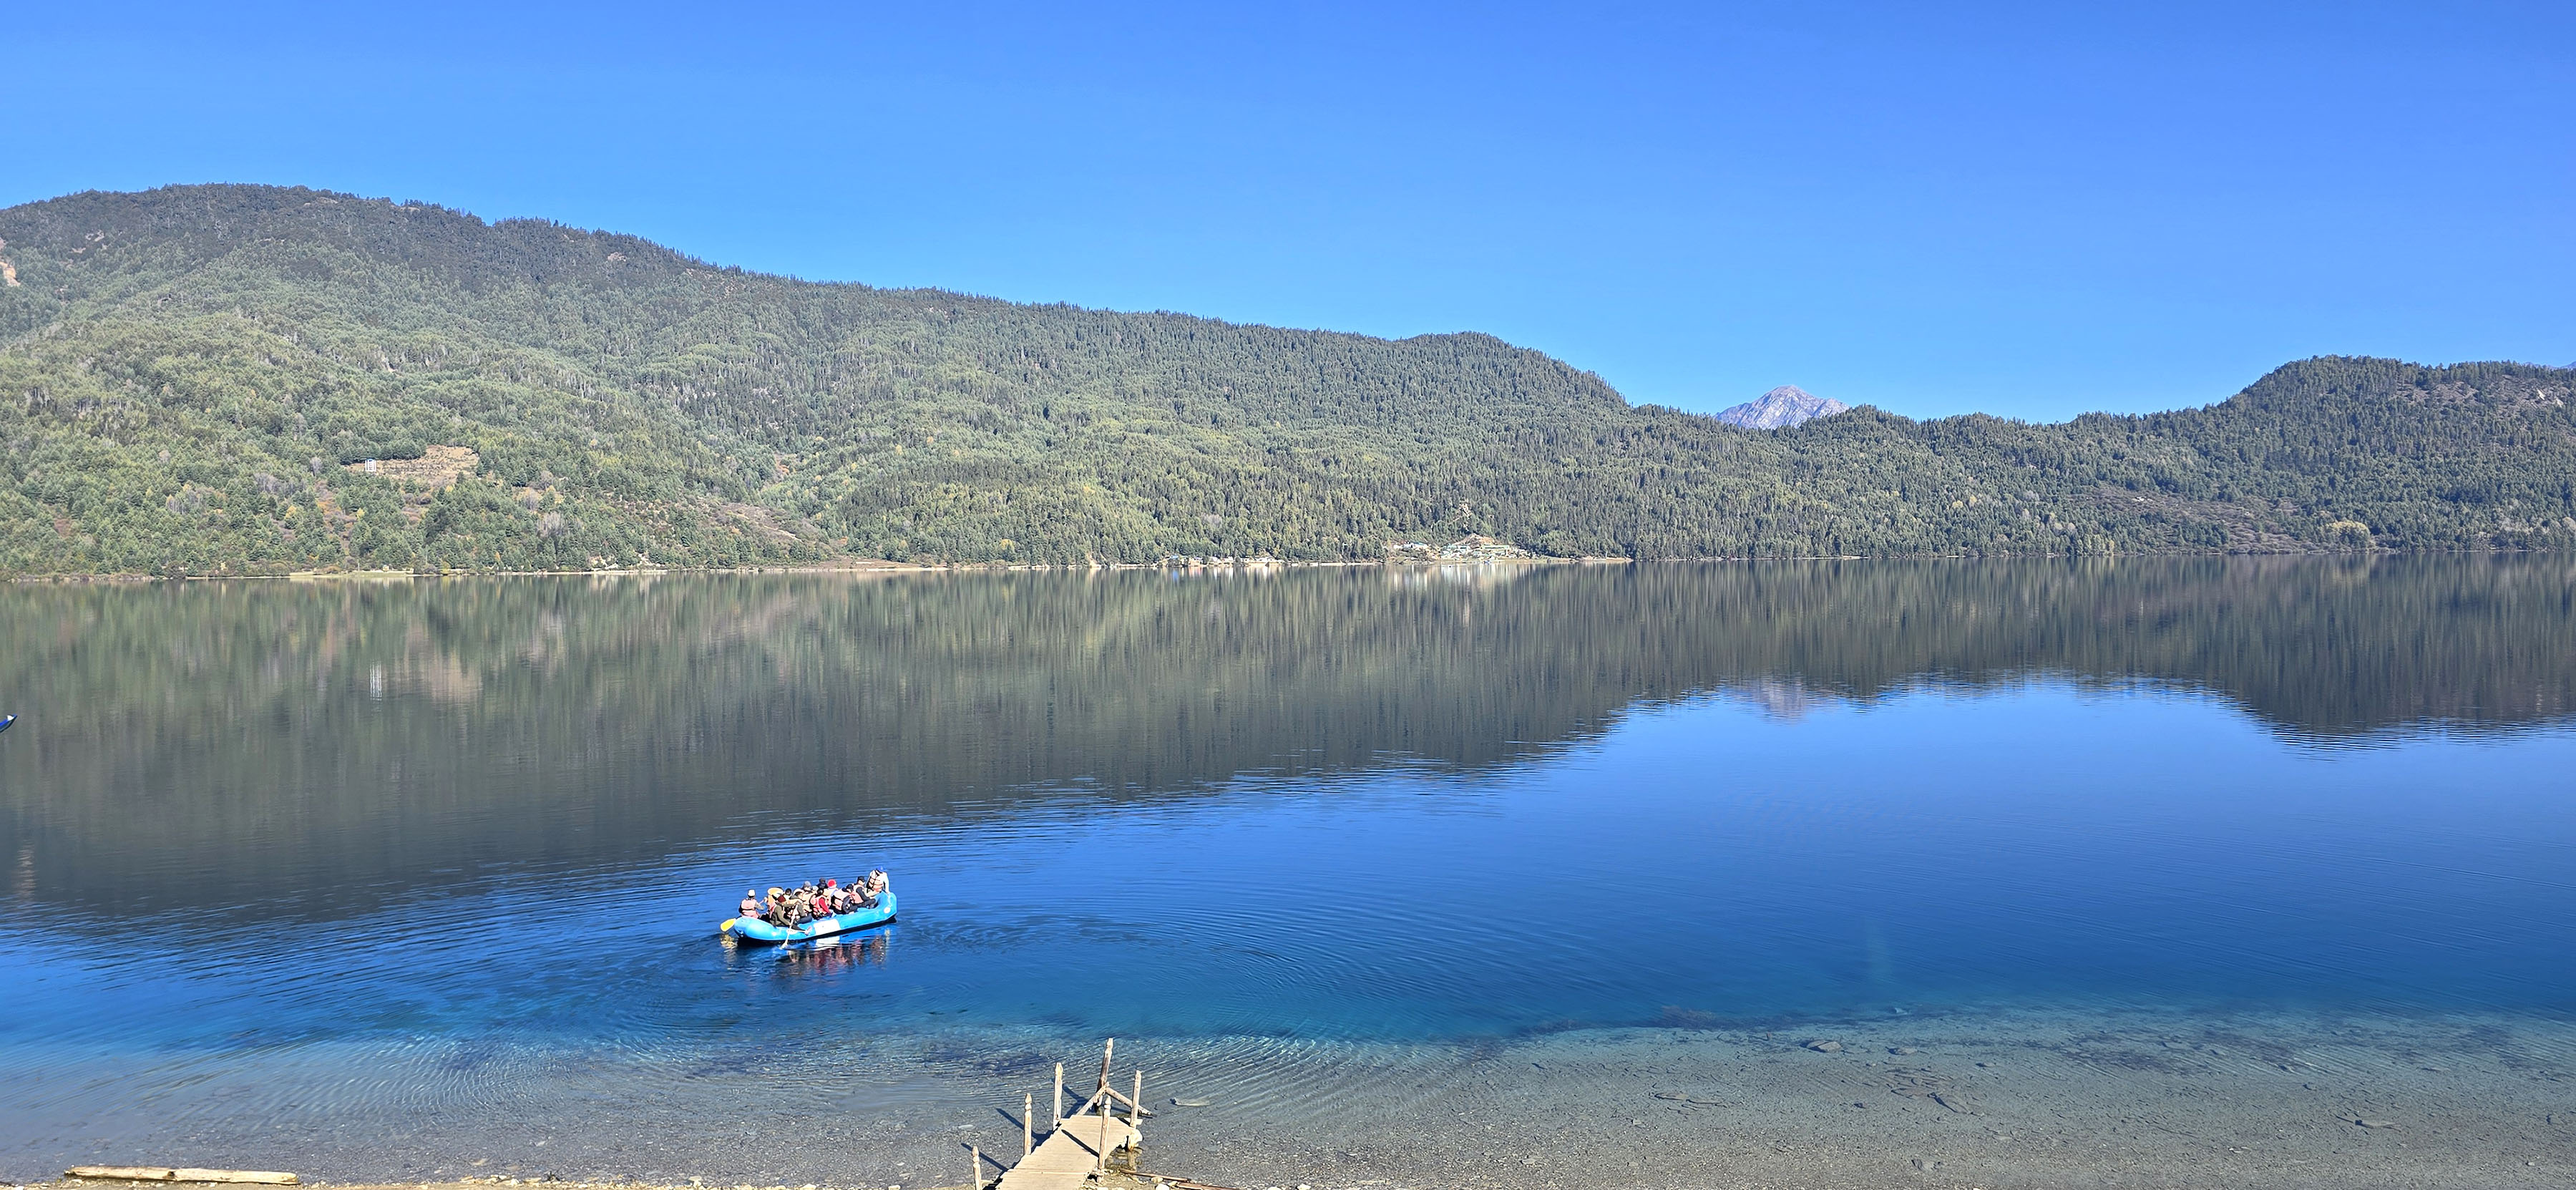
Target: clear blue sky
2026, 209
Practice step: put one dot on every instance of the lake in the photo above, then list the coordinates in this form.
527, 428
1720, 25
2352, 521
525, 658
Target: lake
379, 880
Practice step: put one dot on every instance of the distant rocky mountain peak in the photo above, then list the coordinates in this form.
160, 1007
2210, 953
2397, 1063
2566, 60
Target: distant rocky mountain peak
1787, 405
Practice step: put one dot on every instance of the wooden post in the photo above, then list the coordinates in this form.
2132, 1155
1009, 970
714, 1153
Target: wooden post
1136, 1102
1055, 1114
1105, 1051
974, 1168
1028, 1107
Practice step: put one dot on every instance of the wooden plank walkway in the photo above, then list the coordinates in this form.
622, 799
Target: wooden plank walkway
1065, 1159
1080, 1144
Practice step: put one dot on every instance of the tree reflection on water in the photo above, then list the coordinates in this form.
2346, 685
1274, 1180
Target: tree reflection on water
308, 749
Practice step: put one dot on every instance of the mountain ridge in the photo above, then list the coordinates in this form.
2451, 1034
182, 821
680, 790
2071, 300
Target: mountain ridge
190, 373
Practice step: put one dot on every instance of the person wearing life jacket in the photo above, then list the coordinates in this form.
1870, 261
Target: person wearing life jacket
751, 906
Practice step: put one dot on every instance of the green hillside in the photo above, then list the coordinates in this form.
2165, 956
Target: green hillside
193, 378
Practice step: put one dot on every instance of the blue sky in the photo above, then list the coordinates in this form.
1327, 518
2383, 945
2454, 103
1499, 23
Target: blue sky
2030, 210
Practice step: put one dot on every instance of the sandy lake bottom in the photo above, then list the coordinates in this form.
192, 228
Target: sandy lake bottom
2110, 1098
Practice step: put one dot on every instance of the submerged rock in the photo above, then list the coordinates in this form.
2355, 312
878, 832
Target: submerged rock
1826, 1047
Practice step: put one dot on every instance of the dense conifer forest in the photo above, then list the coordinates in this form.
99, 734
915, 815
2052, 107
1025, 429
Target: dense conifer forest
246, 379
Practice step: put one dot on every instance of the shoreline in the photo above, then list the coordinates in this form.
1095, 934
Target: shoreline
1992, 1099
867, 568
879, 567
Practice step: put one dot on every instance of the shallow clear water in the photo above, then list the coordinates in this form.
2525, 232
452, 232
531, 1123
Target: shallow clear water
341, 837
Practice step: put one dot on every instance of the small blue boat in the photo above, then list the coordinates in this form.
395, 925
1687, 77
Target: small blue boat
753, 929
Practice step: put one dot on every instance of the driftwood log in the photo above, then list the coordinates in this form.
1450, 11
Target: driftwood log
157, 1173
1180, 1183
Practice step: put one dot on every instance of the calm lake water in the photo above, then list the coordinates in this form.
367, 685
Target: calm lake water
350, 858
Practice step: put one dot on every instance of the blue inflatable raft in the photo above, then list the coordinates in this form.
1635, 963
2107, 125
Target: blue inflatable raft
752, 929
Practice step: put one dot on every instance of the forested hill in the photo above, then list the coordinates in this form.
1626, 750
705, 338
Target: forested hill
194, 378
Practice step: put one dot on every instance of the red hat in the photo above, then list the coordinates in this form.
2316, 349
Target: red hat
828, 882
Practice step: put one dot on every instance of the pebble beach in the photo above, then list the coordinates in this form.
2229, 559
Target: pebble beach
1991, 1100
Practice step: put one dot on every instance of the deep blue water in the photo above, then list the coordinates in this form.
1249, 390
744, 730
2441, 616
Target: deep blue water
2035, 844
268, 823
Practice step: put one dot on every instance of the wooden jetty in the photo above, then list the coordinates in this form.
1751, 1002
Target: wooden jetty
1077, 1147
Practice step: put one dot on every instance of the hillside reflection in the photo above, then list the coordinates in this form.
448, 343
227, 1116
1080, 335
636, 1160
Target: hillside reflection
306, 748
